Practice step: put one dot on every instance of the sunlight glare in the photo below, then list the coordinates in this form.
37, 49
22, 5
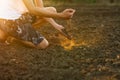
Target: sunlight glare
69, 44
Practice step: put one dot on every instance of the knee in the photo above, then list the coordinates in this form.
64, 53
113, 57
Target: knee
53, 9
44, 44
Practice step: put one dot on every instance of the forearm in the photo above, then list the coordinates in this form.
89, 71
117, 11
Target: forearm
40, 11
46, 13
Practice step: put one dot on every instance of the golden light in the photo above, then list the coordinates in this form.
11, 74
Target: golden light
70, 44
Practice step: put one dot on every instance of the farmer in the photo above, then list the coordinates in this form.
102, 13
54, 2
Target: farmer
18, 18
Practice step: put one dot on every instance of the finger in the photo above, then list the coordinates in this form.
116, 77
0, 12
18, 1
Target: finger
71, 11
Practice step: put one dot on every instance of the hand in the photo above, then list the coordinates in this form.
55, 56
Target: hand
67, 13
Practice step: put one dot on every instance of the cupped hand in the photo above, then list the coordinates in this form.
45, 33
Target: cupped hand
68, 13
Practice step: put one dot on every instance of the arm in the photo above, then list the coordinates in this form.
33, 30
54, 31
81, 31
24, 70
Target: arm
39, 3
66, 14
40, 11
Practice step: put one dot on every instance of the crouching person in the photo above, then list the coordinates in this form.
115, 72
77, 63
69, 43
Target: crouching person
22, 30
17, 17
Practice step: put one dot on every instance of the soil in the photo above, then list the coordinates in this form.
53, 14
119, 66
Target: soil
92, 54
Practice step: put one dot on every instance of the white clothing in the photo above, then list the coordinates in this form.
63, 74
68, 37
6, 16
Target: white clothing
12, 9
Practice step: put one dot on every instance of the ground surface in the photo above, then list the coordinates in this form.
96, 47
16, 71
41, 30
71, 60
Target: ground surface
95, 54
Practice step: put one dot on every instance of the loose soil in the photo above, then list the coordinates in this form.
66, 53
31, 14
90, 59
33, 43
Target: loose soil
92, 54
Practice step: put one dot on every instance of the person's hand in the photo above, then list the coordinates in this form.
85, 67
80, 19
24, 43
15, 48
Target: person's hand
67, 13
